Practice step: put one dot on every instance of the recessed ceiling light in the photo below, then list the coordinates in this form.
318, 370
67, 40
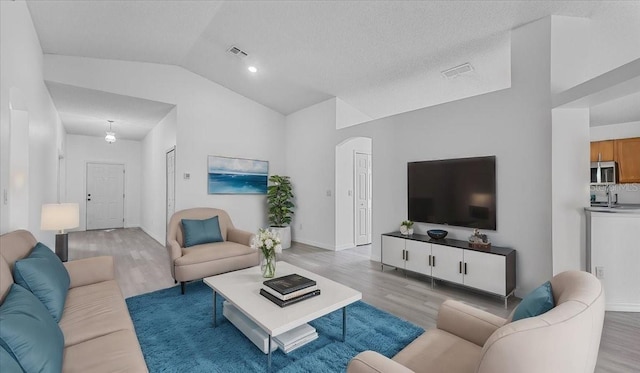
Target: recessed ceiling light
252, 69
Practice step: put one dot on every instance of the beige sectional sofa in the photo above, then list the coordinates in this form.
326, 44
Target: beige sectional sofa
98, 332
200, 261
564, 340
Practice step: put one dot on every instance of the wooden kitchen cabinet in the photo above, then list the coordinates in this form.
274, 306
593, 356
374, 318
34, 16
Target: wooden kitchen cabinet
605, 148
628, 158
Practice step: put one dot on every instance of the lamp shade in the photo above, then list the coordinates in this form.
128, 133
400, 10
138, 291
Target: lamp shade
60, 216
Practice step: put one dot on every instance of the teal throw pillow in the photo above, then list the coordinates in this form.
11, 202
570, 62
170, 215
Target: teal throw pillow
535, 303
29, 334
43, 274
7, 363
197, 232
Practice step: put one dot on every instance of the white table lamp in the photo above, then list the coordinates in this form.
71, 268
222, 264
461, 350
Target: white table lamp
58, 217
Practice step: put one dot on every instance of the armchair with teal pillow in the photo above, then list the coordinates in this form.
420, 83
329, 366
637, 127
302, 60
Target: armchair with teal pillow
203, 242
564, 339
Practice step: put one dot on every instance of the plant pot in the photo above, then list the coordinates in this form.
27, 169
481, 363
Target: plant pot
285, 235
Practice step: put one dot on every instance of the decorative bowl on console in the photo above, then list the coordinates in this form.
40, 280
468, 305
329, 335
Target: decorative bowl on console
437, 234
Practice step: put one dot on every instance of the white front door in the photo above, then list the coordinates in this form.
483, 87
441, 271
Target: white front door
171, 183
105, 196
363, 198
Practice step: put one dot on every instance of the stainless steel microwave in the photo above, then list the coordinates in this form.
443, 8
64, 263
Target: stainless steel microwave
603, 173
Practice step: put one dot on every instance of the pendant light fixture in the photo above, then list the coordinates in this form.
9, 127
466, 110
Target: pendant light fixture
111, 136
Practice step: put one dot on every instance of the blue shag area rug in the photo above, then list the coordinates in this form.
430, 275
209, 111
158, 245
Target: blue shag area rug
176, 335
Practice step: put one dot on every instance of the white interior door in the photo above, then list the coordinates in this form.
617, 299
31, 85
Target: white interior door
363, 198
105, 196
171, 183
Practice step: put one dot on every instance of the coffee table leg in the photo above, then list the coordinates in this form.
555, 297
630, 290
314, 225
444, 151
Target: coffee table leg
269, 354
214, 308
344, 323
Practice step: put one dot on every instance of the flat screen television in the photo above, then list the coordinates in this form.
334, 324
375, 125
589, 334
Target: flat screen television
459, 192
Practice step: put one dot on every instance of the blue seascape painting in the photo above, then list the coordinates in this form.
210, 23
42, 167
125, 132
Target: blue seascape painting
237, 175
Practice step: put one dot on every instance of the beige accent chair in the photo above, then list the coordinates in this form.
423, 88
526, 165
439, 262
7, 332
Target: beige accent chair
564, 340
98, 333
199, 261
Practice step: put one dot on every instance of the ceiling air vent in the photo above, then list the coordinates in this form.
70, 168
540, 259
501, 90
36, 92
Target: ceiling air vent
237, 52
455, 72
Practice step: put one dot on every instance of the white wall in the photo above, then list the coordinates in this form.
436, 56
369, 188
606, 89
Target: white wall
570, 192
513, 124
88, 149
347, 115
154, 182
569, 52
211, 120
22, 88
615, 131
310, 155
614, 37
345, 189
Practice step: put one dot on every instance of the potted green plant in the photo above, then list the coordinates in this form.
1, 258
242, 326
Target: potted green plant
406, 227
279, 199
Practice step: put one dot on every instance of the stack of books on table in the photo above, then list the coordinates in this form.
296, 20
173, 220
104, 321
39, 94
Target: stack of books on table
288, 290
296, 338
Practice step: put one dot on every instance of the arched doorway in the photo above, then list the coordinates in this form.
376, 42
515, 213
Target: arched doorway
353, 193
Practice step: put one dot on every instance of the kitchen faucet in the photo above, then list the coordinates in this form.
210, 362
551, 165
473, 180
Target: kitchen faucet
609, 201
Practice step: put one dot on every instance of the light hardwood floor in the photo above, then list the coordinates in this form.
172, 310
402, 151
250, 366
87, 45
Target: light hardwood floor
142, 265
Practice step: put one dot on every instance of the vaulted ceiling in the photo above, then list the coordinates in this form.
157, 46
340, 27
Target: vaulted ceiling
378, 56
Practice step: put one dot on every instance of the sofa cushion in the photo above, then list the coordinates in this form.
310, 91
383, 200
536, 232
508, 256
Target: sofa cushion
197, 232
115, 352
29, 333
6, 279
7, 363
212, 251
539, 301
437, 351
94, 310
43, 274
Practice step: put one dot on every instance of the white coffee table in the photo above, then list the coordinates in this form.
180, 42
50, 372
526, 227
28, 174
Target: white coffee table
242, 289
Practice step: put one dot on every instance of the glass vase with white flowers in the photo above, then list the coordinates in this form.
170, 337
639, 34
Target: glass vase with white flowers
268, 242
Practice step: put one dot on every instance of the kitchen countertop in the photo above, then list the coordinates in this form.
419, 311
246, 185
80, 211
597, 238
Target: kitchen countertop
617, 209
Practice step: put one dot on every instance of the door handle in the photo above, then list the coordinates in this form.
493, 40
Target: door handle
465, 268
407, 255
88, 199
402, 254
433, 261
429, 260
460, 267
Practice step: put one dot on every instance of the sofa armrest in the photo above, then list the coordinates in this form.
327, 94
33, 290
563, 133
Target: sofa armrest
373, 362
90, 270
466, 322
239, 236
174, 250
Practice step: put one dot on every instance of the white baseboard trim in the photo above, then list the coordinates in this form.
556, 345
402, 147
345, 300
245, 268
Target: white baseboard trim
316, 244
622, 307
344, 247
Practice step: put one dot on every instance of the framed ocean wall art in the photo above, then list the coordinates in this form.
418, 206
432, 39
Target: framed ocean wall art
236, 175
